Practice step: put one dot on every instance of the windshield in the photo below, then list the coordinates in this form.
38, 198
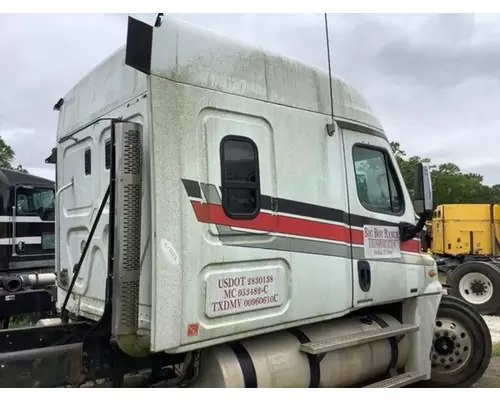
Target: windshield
35, 201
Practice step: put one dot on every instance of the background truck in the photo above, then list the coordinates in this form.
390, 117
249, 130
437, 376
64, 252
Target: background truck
465, 243
229, 217
27, 242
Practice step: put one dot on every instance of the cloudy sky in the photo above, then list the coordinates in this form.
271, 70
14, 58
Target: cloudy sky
433, 80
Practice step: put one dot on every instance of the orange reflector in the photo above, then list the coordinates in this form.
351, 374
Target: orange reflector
432, 273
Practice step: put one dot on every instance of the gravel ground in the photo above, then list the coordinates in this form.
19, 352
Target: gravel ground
494, 325
491, 378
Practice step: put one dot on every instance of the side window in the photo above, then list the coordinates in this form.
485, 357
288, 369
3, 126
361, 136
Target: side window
376, 181
33, 201
107, 154
240, 177
88, 162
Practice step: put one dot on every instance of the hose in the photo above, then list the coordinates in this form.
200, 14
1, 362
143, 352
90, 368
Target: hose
12, 283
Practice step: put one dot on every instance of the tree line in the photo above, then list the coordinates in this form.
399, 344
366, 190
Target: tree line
8, 156
450, 185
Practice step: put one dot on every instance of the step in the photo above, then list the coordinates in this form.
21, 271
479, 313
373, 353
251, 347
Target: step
356, 339
399, 381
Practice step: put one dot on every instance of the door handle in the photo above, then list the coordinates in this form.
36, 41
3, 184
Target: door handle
364, 275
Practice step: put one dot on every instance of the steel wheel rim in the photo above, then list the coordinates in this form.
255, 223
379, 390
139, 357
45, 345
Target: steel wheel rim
451, 347
475, 288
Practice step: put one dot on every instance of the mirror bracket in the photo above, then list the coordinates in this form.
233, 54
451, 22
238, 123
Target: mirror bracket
409, 231
423, 204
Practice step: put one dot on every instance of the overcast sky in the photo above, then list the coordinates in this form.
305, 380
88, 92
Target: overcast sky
433, 80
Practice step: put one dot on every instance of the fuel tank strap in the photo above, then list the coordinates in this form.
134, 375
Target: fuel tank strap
246, 364
314, 360
394, 343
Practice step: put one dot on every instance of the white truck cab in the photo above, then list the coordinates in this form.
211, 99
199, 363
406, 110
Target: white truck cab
239, 227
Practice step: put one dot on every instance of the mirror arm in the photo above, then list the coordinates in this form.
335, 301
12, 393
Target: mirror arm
423, 203
409, 231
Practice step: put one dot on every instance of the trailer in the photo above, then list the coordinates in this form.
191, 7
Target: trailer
27, 241
465, 243
229, 217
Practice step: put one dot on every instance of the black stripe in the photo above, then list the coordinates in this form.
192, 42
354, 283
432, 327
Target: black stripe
28, 248
192, 188
393, 341
311, 211
268, 203
25, 229
325, 213
33, 256
360, 220
293, 207
246, 364
9, 264
314, 361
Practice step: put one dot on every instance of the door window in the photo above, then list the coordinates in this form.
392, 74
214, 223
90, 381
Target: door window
376, 181
35, 201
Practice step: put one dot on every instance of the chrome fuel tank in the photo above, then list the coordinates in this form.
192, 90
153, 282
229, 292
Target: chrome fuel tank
276, 361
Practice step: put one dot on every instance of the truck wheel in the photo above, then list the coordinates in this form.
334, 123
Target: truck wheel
462, 346
478, 283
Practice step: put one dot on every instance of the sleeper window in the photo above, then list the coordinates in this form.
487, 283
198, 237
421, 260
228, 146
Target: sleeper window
107, 154
240, 177
376, 181
88, 162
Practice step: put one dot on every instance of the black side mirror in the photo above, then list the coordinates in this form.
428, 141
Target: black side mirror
52, 159
423, 203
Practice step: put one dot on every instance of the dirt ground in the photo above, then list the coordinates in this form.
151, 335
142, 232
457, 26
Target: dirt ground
491, 379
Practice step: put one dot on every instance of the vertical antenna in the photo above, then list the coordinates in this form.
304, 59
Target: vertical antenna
330, 128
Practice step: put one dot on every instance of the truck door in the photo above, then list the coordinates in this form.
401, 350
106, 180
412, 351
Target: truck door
33, 220
384, 269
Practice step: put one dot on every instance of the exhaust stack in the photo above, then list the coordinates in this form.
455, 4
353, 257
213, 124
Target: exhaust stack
127, 238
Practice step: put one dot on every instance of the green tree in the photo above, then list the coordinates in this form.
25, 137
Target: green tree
450, 185
7, 157
20, 169
407, 165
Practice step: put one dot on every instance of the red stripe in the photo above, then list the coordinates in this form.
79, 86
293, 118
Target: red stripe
214, 214
411, 246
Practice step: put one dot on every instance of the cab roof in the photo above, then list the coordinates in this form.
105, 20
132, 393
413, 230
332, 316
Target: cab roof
11, 177
192, 55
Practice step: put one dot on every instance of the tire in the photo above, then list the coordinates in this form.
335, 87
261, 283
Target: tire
488, 276
475, 358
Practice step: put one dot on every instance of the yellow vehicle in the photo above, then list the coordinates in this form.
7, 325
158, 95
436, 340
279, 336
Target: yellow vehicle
466, 229
464, 240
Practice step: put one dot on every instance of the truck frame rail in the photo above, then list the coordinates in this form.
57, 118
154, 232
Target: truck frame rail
70, 354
